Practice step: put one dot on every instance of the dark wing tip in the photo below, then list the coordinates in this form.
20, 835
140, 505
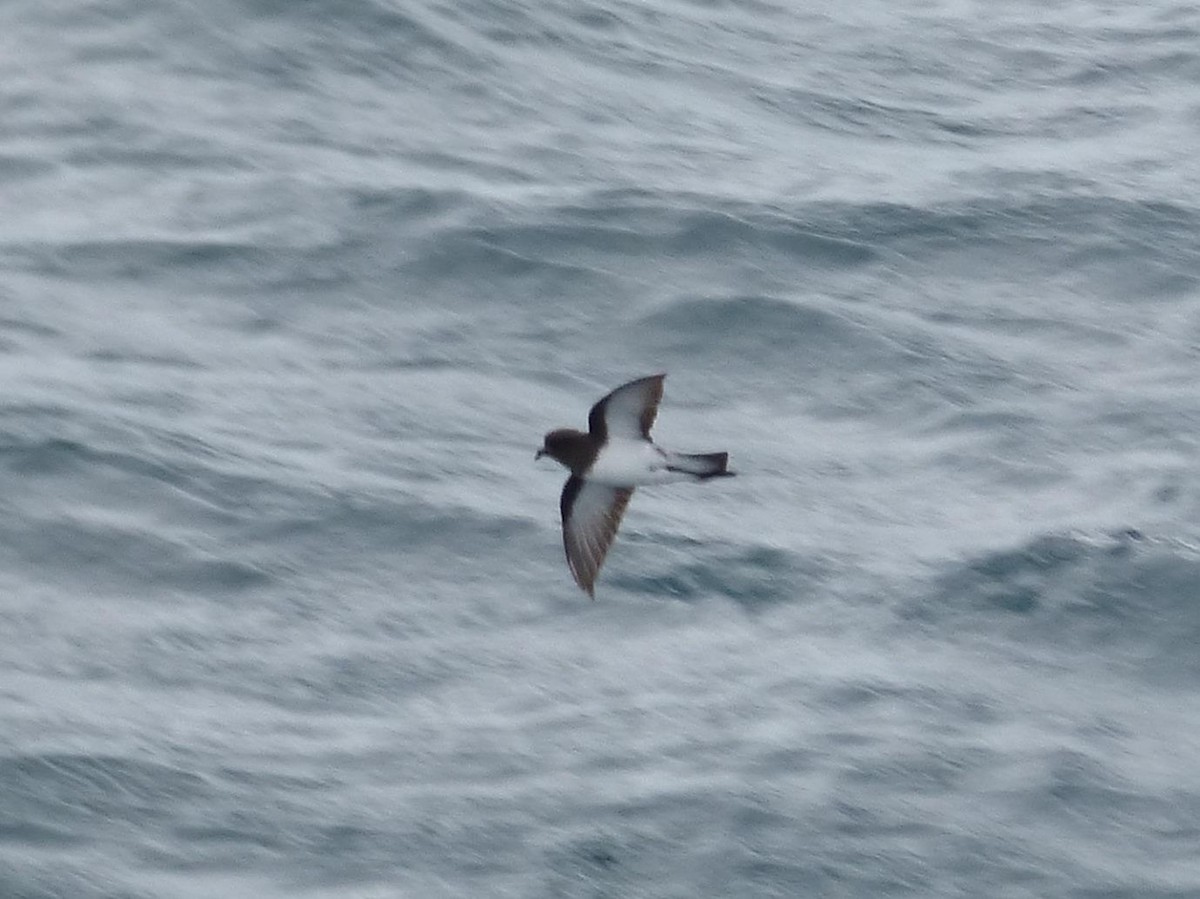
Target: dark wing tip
648, 390
651, 411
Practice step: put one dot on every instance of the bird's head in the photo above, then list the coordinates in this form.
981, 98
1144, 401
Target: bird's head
562, 445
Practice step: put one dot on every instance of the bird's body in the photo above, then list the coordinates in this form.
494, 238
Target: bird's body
631, 463
607, 462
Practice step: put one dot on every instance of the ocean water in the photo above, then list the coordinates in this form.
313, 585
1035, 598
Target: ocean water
289, 292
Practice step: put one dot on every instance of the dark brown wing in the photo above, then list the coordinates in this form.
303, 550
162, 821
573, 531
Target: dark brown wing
628, 411
591, 514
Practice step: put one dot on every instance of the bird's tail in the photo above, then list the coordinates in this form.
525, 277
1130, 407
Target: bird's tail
701, 466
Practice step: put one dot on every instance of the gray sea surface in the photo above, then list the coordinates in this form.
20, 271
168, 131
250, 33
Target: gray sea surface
289, 293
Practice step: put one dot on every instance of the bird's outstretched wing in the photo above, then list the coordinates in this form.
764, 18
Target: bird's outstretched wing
628, 411
591, 514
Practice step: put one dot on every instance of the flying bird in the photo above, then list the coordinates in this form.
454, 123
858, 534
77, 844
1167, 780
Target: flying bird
607, 463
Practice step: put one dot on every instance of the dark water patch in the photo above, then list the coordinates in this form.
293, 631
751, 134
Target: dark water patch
270, 778
102, 21
854, 695
1012, 581
700, 232
1126, 72
81, 792
1066, 229
1137, 889
345, 853
561, 241
1074, 791
51, 456
336, 684
65, 878
793, 338
234, 844
997, 426
378, 42
592, 237
409, 207
259, 324
206, 576
29, 327
192, 269
1034, 324
224, 833
755, 578
903, 122
493, 269
1143, 246
165, 468
161, 158
137, 260
929, 773
471, 167
422, 363
34, 834
239, 658
138, 360
596, 865
1126, 592
107, 552
827, 846
20, 168
343, 519
602, 20
764, 322
621, 853
1077, 784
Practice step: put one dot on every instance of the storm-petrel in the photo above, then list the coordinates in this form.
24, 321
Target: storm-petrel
614, 456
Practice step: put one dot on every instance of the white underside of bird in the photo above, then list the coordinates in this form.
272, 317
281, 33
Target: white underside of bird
636, 463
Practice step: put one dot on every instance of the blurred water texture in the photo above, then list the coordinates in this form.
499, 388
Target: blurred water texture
289, 293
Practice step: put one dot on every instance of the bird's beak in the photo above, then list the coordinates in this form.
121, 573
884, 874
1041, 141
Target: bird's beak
539, 455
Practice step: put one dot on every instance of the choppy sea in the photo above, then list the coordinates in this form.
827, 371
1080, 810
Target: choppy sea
289, 293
